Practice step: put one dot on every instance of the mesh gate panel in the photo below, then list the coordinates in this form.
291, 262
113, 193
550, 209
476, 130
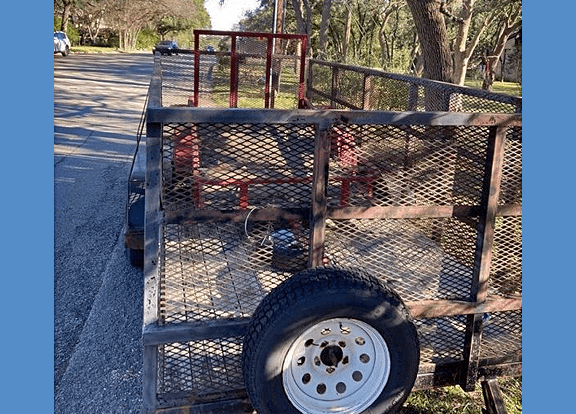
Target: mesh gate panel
391, 95
177, 71
467, 103
199, 371
422, 259
511, 187
441, 339
506, 266
364, 88
502, 334
217, 270
232, 167
242, 82
382, 165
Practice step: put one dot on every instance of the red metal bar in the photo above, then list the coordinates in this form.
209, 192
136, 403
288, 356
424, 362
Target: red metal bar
187, 159
244, 196
249, 34
234, 63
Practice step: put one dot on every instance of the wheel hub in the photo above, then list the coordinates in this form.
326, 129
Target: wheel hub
339, 365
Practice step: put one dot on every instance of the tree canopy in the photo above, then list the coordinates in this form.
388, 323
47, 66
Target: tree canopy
439, 39
127, 18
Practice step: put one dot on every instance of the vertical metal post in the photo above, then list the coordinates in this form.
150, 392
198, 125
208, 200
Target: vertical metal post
366, 92
196, 67
335, 84
412, 97
310, 82
233, 75
493, 397
484, 245
152, 230
268, 76
319, 199
302, 84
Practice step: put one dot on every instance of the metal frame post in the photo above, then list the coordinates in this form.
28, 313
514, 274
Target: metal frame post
484, 245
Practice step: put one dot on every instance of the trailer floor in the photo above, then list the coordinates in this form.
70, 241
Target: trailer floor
221, 271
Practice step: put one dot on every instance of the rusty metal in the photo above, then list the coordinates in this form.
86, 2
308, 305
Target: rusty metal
235, 56
346, 86
430, 201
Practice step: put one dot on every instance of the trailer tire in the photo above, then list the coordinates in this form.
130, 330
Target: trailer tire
136, 257
330, 340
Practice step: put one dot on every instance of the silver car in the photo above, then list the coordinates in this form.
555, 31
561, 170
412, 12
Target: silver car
61, 43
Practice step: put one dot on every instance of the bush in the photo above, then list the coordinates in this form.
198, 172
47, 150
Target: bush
71, 31
147, 39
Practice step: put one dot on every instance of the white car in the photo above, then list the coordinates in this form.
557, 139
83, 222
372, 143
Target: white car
61, 43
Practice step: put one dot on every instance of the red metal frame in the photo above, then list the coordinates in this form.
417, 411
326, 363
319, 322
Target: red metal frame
270, 37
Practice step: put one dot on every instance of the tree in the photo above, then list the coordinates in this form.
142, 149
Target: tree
66, 7
90, 17
181, 15
510, 21
326, 8
433, 37
476, 19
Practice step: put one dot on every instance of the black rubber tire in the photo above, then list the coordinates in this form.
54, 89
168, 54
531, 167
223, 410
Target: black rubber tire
66, 51
308, 298
136, 257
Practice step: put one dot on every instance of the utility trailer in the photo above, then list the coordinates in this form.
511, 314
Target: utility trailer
332, 256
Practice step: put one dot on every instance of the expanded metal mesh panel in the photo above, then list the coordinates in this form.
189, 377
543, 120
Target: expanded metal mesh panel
391, 95
199, 371
466, 103
350, 87
220, 270
231, 167
511, 187
441, 339
214, 87
422, 259
363, 88
506, 265
242, 82
502, 334
177, 75
251, 79
380, 165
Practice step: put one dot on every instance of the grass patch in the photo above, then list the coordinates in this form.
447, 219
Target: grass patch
251, 86
451, 400
509, 88
93, 49
102, 49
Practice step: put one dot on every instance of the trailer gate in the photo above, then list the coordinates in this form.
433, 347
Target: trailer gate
431, 201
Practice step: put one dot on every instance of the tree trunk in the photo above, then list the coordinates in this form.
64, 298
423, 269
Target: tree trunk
509, 25
66, 15
433, 36
461, 52
347, 32
382, 38
303, 15
326, 6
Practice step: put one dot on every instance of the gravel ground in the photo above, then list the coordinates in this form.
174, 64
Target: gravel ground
98, 100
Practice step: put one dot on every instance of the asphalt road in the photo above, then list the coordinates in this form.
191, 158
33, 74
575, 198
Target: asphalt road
98, 101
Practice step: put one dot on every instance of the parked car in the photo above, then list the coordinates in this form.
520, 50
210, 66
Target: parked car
61, 43
166, 47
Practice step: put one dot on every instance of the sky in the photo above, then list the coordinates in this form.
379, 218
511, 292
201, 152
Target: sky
225, 17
